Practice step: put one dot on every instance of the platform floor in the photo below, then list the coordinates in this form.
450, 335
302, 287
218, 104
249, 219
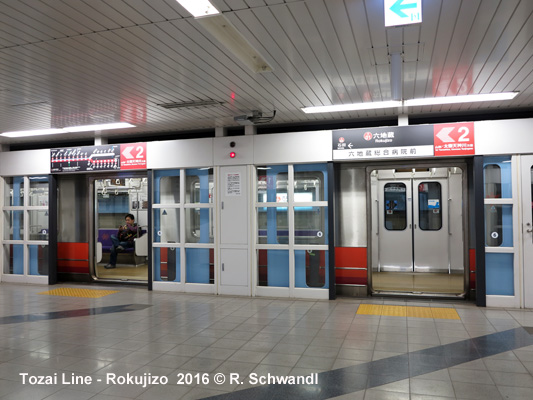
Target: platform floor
378, 353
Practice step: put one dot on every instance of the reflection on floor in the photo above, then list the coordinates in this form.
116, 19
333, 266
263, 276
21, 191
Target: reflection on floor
122, 272
210, 340
418, 282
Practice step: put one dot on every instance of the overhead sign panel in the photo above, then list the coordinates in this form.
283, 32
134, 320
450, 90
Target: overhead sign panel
387, 142
113, 157
402, 12
454, 139
440, 140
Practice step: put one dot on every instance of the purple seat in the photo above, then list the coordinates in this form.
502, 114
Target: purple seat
104, 237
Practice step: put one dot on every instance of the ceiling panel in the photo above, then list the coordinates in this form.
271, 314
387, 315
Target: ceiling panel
86, 60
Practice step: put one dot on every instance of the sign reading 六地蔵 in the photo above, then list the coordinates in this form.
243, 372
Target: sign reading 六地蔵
385, 142
402, 12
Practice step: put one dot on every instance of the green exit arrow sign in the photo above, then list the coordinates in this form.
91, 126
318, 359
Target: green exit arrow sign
402, 12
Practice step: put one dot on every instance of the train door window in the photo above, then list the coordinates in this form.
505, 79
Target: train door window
493, 181
429, 206
498, 225
497, 176
315, 264
199, 188
308, 185
199, 185
395, 201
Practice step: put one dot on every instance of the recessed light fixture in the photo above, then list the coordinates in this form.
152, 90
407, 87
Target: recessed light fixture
81, 128
470, 98
199, 8
352, 107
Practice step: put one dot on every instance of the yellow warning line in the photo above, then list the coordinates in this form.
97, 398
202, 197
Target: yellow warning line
405, 311
71, 292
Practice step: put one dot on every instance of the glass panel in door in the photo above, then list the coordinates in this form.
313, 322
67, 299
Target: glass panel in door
119, 201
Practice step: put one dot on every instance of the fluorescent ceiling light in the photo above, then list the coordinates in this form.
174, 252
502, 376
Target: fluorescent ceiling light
199, 8
99, 127
413, 102
460, 99
83, 128
352, 107
36, 132
223, 30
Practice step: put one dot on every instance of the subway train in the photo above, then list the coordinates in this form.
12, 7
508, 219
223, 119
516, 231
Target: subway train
388, 211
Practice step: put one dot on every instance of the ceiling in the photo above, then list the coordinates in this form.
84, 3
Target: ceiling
77, 62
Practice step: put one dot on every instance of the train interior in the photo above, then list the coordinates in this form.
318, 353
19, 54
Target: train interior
113, 199
90, 211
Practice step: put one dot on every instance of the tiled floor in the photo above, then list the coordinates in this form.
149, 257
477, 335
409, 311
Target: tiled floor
193, 341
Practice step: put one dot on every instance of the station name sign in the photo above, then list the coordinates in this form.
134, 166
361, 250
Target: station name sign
404, 142
111, 157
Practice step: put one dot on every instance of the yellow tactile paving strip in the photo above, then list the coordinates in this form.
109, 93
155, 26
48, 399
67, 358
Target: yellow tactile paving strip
406, 311
72, 292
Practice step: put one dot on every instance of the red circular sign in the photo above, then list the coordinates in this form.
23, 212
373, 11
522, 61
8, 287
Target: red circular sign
341, 139
367, 136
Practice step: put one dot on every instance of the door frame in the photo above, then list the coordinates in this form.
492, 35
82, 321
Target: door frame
460, 163
526, 217
92, 211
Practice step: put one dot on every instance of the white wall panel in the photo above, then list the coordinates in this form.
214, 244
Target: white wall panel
29, 162
504, 137
297, 147
180, 153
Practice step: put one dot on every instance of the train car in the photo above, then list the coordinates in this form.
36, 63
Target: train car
355, 212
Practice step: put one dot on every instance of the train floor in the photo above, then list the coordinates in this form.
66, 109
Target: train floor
418, 282
123, 272
113, 342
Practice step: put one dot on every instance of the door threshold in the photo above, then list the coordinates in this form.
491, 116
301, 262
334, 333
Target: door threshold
120, 281
426, 295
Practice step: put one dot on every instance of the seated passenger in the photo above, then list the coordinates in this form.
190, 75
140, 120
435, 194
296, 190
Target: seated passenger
124, 239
